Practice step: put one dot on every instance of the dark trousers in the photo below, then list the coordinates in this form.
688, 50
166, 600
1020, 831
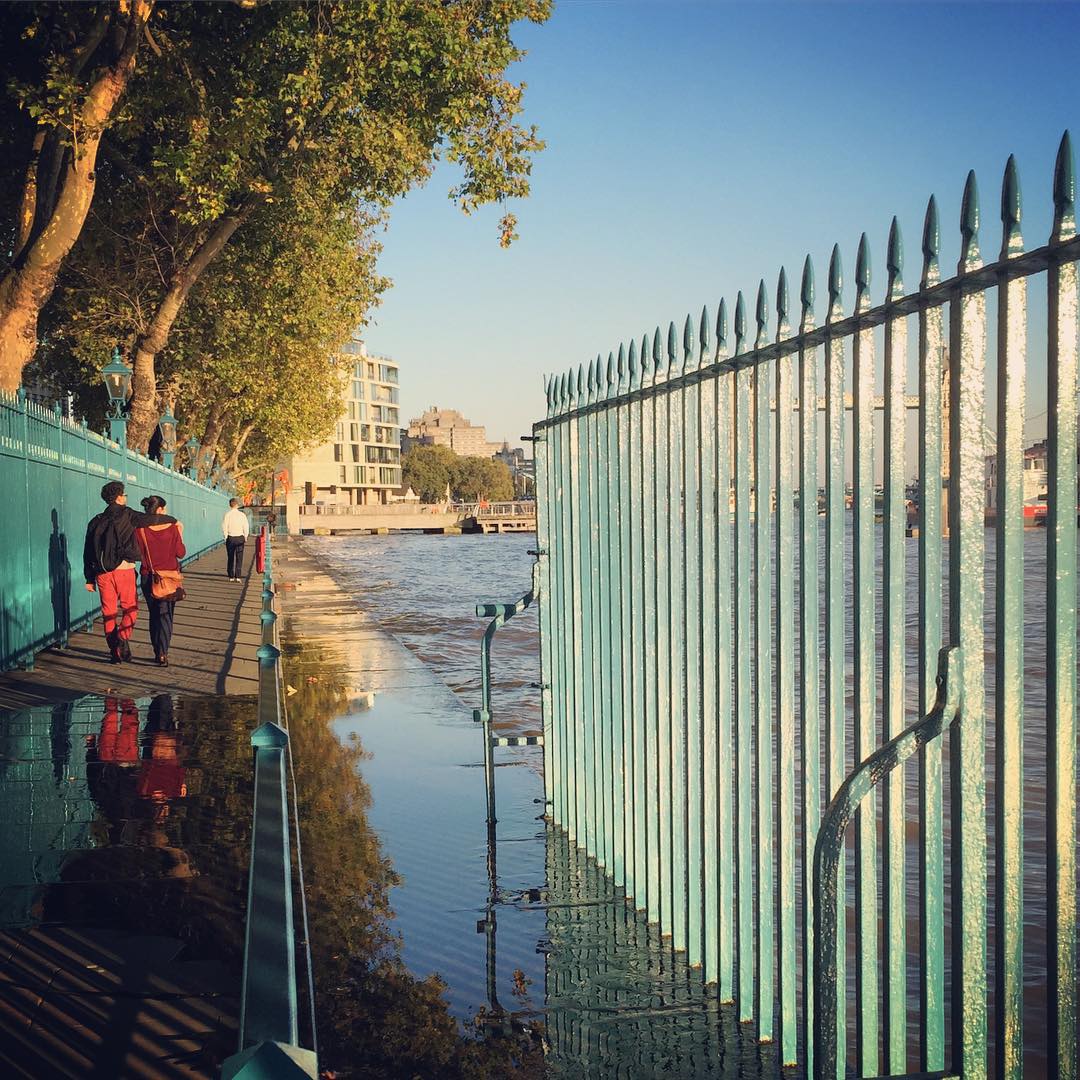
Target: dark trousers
161, 618
234, 548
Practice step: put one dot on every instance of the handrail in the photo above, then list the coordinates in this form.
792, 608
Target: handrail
269, 1027
499, 615
830, 845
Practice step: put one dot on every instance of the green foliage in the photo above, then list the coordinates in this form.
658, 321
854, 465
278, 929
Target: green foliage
428, 469
231, 238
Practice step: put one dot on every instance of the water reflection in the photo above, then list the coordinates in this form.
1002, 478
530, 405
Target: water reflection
123, 865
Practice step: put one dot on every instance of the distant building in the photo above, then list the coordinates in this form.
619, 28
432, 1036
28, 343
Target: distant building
360, 465
447, 427
522, 468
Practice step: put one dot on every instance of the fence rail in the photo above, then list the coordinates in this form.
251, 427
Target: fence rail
269, 1012
711, 676
51, 473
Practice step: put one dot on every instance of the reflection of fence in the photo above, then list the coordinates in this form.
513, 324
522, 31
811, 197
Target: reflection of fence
697, 674
269, 1013
51, 473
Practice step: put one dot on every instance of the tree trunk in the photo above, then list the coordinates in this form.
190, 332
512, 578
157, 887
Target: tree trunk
26, 287
144, 405
211, 438
233, 460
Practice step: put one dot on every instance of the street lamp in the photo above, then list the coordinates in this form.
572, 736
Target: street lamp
167, 427
192, 447
117, 376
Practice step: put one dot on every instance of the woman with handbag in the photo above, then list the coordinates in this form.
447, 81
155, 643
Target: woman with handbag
162, 548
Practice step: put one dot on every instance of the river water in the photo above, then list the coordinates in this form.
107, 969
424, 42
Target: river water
423, 590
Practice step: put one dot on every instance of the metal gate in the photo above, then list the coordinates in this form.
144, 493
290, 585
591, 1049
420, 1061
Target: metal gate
728, 676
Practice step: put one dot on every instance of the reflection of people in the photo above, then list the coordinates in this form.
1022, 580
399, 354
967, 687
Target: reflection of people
109, 555
118, 743
235, 528
161, 777
161, 547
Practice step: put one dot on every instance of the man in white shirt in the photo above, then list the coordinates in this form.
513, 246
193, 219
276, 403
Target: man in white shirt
235, 528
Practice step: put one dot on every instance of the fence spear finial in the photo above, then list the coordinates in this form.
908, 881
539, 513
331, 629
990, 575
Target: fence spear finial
969, 225
610, 375
646, 366
1064, 191
564, 393
894, 261
862, 274
620, 368
931, 245
721, 330
740, 323
836, 286
672, 347
806, 295
632, 369
704, 337
1012, 240
782, 301
580, 382
687, 342
761, 316
657, 354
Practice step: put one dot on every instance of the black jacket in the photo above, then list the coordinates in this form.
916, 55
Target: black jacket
110, 538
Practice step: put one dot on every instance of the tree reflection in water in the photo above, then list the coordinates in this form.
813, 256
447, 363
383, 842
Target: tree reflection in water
375, 1018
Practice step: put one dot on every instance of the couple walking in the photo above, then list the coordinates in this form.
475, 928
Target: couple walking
115, 540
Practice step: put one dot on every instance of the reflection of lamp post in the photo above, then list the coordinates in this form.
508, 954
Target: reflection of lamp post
192, 447
167, 427
117, 376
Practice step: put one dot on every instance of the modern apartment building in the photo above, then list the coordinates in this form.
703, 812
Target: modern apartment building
361, 464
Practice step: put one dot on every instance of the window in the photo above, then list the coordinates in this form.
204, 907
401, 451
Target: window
342, 481
353, 429
355, 452
371, 371
358, 473
352, 410
339, 432
389, 476
361, 411
358, 370
390, 415
387, 373
338, 456
358, 389
365, 433
376, 413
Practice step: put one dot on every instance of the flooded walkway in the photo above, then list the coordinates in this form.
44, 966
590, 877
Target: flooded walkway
534, 949
125, 795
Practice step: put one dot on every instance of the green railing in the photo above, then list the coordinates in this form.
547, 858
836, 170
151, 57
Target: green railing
51, 473
713, 633
269, 1013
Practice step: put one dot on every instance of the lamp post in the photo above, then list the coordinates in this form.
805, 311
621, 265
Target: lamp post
117, 376
167, 427
192, 447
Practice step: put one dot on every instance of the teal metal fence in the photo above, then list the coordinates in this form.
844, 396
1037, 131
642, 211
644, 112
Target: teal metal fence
728, 676
51, 473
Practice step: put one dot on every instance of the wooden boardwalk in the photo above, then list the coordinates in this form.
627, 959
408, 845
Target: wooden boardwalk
213, 647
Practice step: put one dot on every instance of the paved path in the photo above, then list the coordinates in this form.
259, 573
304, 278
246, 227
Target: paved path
213, 647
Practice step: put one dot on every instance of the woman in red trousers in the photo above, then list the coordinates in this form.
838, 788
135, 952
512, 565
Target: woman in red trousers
162, 548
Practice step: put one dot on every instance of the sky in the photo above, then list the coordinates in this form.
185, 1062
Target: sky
695, 148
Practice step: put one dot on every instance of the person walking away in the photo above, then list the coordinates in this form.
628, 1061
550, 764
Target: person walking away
109, 554
235, 528
161, 548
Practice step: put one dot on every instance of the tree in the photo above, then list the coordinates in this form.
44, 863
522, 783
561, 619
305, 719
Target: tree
72, 65
428, 471
474, 478
353, 103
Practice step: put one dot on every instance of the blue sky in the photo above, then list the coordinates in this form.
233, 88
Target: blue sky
694, 148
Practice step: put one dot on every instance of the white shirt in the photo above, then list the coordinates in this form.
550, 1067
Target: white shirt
235, 523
